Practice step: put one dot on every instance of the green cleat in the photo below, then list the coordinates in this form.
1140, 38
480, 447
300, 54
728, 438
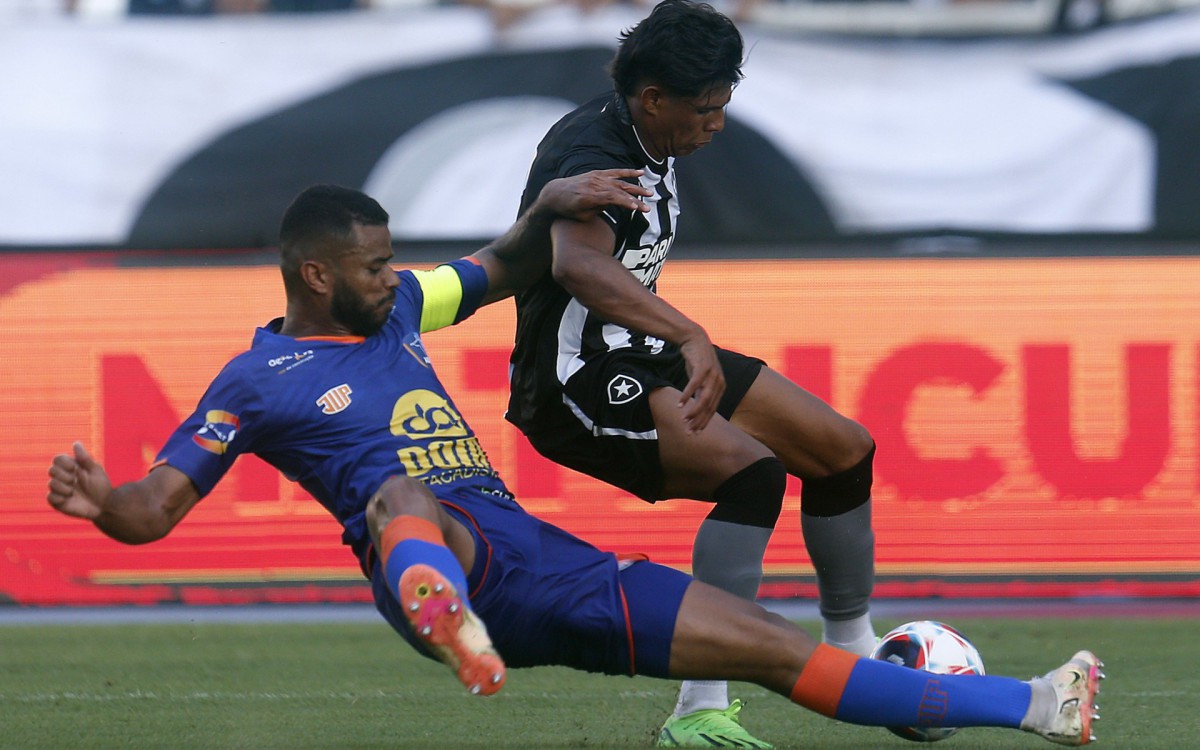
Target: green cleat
710, 727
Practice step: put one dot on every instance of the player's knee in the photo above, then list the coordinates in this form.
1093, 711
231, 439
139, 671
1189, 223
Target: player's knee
859, 444
842, 491
399, 496
752, 496
834, 447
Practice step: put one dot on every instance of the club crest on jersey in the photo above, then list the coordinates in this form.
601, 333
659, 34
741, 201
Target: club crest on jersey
622, 389
335, 399
413, 345
218, 431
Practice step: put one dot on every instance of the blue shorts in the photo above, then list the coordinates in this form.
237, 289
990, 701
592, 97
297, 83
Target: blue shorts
550, 598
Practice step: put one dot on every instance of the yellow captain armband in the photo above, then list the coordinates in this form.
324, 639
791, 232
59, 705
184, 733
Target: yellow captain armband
443, 294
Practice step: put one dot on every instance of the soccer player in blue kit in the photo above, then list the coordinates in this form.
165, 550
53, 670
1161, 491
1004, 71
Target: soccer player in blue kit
340, 396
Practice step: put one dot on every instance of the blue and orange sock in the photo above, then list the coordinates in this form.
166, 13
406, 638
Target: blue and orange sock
858, 690
411, 540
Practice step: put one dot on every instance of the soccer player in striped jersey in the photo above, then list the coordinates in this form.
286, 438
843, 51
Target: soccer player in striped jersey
340, 396
612, 381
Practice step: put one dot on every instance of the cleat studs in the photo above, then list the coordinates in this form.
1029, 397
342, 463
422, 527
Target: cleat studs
438, 588
414, 607
475, 690
496, 678
452, 608
426, 630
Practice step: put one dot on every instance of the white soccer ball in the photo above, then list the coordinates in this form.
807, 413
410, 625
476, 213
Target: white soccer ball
933, 647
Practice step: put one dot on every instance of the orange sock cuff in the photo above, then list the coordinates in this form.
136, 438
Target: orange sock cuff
823, 679
402, 528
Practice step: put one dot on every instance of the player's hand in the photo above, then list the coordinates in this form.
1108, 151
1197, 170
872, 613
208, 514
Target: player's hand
583, 196
79, 486
706, 382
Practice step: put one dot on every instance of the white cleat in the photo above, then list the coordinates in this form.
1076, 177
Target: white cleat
1075, 684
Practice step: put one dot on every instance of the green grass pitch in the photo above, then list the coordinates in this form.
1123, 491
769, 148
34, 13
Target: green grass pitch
357, 685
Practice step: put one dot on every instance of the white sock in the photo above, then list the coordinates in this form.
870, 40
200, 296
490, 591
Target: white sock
1043, 705
856, 635
695, 695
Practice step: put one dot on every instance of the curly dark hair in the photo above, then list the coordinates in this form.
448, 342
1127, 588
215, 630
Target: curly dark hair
684, 46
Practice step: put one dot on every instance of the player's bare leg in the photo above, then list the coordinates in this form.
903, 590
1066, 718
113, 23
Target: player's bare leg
718, 635
424, 553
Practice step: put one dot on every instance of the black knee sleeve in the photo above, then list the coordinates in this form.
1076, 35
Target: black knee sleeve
839, 493
753, 496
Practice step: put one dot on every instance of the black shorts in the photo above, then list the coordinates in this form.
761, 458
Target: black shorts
604, 427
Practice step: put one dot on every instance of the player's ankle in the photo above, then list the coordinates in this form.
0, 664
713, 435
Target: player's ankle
856, 635
1043, 705
698, 695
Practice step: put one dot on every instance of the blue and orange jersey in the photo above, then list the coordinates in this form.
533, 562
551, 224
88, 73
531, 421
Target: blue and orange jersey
341, 415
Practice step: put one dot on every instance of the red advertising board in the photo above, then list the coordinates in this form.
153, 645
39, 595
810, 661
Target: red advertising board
1037, 424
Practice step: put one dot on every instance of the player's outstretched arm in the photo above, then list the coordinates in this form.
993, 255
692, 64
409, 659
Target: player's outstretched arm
522, 254
133, 513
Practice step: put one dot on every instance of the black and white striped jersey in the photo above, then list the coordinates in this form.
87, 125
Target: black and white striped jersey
556, 335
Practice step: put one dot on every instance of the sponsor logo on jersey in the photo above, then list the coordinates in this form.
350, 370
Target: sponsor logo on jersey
442, 445
622, 389
335, 399
422, 414
646, 262
220, 427
291, 360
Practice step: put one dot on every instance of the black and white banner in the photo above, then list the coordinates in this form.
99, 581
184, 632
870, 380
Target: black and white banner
170, 133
